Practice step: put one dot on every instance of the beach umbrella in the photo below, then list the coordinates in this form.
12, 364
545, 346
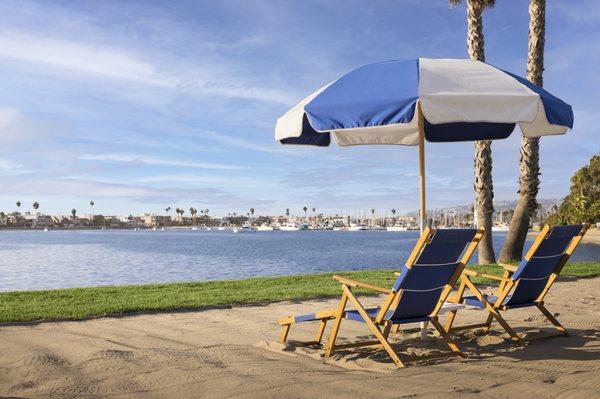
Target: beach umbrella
410, 102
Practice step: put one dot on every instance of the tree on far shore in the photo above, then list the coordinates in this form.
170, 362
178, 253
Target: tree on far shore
582, 205
193, 212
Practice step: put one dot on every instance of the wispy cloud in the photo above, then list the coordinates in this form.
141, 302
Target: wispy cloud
8, 167
147, 160
177, 179
103, 61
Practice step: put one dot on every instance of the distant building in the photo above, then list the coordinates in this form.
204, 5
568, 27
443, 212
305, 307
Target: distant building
132, 221
152, 220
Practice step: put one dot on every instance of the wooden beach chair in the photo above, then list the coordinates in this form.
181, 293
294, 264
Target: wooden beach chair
418, 294
525, 285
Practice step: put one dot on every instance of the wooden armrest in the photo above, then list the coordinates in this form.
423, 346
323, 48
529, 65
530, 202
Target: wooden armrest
473, 273
354, 283
507, 267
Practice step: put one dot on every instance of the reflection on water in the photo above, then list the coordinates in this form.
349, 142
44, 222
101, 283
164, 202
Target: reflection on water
58, 259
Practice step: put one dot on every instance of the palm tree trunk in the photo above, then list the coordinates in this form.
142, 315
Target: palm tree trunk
529, 161
483, 183
484, 199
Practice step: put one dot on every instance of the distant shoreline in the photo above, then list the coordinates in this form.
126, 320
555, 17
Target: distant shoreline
591, 237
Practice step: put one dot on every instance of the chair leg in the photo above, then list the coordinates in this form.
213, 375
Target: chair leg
336, 325
552, 319
374, 329
494, 313
386, 330
320, 332
492, 310
488, 323
453, 346
450, 320
285, 329
458, 298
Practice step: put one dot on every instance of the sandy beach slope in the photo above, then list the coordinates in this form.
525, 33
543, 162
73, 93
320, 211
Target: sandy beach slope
231, 353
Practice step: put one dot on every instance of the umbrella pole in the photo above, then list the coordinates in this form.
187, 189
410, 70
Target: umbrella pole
422, 203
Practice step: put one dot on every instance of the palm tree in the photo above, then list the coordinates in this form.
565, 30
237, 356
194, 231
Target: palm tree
92, 203
372, 214
529, 161
483, 184
193, 212
305, 209
36, 205
18, 208
287, 212
73, 212
252, 211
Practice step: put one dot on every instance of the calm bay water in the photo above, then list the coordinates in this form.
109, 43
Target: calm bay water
60, 259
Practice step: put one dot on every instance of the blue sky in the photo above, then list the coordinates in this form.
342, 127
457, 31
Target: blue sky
143, 105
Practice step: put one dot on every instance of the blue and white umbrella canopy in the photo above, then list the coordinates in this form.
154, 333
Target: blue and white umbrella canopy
460, 100
408, 102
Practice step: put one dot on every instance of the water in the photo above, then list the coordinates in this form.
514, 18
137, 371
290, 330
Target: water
60, 259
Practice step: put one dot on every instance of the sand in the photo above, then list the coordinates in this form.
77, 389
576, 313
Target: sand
232, 353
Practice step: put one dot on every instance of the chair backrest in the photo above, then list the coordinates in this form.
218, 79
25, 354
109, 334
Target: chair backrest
547, 256
425, 275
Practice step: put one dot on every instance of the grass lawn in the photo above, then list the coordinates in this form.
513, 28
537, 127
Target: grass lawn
81, 303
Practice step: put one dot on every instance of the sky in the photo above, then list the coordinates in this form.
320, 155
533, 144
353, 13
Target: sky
143, 105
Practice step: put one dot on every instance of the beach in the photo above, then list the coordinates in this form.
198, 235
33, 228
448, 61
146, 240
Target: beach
232, 352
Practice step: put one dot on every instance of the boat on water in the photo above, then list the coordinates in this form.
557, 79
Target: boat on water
246, 228
376, 227
357, 227
194, 228
500, 227
221, 228
264, 227
289, 226
397, 228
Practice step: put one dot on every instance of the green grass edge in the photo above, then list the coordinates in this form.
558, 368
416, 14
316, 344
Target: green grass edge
90, 302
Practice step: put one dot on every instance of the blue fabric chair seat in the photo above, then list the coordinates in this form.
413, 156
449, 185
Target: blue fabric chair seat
372, 312
305, 317
473, 301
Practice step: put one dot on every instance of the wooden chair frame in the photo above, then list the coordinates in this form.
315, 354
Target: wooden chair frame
381, 327
506, 286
